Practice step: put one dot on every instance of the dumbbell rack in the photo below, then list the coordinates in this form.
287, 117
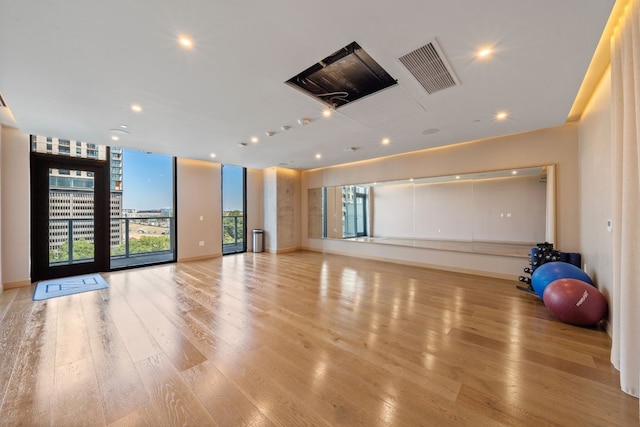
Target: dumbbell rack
542, 253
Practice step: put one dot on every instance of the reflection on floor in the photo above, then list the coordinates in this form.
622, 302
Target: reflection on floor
301, 338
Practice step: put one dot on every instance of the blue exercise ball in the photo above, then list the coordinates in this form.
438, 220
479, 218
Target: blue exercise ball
552, 271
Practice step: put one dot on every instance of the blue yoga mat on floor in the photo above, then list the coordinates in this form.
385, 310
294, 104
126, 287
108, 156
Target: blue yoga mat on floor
68, 286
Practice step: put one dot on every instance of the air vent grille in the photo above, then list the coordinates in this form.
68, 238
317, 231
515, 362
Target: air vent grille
428, 66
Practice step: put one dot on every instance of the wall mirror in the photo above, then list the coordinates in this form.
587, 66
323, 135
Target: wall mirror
505, 211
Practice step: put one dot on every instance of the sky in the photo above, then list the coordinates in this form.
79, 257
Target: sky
231, 188
147, 182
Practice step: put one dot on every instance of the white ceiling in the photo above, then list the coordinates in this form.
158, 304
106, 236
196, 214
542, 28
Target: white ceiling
71, 69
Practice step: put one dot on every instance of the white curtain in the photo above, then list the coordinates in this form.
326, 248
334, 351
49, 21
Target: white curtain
625, 157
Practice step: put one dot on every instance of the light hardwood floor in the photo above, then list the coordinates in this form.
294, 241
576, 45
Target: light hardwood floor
301, 339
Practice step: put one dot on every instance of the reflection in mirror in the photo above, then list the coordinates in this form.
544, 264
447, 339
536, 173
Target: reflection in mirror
499, 211
339, 212
317, 212
354, 211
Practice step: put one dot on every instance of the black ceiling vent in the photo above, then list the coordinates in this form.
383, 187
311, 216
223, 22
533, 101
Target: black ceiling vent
343, 77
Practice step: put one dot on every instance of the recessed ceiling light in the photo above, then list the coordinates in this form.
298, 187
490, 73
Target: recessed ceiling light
136, 107
270, 133
326, 113
304, 122
318, 156
185, 41
514, 172
502, 115
430, 131
123, 126
242, 144
457, 176
285, 127
386, 141
115, 137
212, 155
254, 139
484, 52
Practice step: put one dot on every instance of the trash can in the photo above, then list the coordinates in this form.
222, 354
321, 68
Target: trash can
258, 240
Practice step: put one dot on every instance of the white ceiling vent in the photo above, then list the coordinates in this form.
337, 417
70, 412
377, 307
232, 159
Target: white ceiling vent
430, 67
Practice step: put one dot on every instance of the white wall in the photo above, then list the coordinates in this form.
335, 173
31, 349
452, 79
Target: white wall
392, 211
557, 146
15, 217
596, 185
199, 186
522, 201
444, 210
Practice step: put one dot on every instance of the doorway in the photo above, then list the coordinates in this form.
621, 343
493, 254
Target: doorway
69, 216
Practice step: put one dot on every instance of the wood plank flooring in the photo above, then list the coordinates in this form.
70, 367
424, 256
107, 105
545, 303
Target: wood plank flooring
299, 339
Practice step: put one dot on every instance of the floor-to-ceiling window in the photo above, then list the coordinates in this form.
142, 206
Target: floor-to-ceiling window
234, 233
69, 200
91, 213
142, 208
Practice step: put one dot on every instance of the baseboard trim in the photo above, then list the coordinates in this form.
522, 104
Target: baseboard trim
13, 285
199, 258
283, 251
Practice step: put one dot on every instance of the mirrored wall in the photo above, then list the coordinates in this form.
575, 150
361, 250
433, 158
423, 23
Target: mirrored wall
505, 211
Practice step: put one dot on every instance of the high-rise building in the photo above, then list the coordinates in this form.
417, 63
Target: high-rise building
71, 191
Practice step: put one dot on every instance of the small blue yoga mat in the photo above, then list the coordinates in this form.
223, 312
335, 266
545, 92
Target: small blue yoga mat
68, 286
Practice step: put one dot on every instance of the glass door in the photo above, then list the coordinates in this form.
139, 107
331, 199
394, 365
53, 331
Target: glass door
361, 212
69, 216
354, 211
234, 234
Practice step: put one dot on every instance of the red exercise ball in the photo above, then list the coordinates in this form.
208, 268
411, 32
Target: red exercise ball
574, 301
